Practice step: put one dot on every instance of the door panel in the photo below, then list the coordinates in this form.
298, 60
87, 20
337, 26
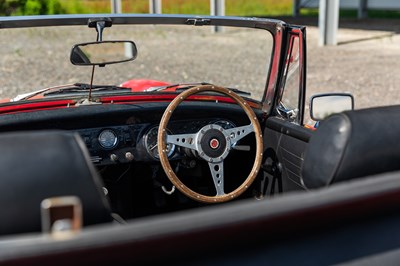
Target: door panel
285, 139
285, 144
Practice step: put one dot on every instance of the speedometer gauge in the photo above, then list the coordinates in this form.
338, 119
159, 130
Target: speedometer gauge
108, 139
150, 142
225, 124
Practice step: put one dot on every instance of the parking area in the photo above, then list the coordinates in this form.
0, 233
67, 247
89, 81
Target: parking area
366, 62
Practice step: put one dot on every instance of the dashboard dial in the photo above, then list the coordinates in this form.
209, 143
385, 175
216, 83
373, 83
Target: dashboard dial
150, 142
225, 124
108, 139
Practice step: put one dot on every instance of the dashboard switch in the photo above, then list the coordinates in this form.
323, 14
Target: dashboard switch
113, 157
129, 156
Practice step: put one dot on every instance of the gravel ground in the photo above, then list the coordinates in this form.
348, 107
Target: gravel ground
38, 58
365, 62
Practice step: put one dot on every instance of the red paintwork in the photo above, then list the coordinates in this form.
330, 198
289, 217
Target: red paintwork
34, 106
168, 98
138, 85
135, 85
6, 100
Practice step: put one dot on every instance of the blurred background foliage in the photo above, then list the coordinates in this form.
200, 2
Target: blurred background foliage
31, 7
198, 7
263, 8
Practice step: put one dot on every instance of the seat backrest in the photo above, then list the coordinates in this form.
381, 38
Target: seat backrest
43, 164
353, 144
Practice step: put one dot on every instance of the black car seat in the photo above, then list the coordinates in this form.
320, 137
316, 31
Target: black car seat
43, 164
353, 144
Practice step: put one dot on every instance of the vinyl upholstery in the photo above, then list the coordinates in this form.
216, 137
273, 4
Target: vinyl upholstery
43, 164
353, 144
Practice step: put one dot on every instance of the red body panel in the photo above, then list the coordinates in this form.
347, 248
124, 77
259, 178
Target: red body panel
136, 86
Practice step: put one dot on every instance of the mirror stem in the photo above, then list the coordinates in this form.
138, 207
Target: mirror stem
91, 84
100, 25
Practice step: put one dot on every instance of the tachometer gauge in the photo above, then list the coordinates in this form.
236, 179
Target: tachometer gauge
150, 142
225, 124
108, 139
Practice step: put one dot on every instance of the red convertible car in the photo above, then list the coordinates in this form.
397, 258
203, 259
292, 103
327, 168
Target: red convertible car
150, 139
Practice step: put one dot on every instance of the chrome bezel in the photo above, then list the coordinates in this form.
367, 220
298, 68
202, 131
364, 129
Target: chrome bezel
146, 143
103, 143
200, 151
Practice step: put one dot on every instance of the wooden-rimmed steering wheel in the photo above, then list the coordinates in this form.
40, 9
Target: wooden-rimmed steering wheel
212, 143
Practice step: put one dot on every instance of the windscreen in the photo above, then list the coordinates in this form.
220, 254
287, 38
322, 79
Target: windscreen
37, 58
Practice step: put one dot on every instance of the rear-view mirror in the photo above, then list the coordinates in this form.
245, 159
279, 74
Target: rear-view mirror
103, 53
323, 105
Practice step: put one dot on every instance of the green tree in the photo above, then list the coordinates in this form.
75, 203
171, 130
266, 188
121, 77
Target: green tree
7, 7
30, 7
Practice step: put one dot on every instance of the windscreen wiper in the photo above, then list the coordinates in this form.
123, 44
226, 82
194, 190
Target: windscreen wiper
184, 86
181, 86
232, 89
83, 87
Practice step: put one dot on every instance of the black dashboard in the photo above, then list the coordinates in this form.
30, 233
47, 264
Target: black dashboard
138, 142
122, 144
123, 133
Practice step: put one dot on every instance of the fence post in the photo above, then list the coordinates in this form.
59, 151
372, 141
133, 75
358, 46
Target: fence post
328, 21
116, 6
217, 8
362, 9
155, 7
296, 8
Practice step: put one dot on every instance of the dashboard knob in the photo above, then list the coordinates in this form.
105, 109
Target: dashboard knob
113, 157
129, 156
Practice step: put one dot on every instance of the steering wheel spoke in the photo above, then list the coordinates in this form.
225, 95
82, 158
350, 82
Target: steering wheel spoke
237, 133
212, 143
217, 173
183, 140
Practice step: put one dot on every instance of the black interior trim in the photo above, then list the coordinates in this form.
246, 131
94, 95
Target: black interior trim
45, 164
285, 127
114, 114
353, 144
348, 217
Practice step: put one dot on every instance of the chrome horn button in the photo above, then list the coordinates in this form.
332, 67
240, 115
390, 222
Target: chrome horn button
212, 143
